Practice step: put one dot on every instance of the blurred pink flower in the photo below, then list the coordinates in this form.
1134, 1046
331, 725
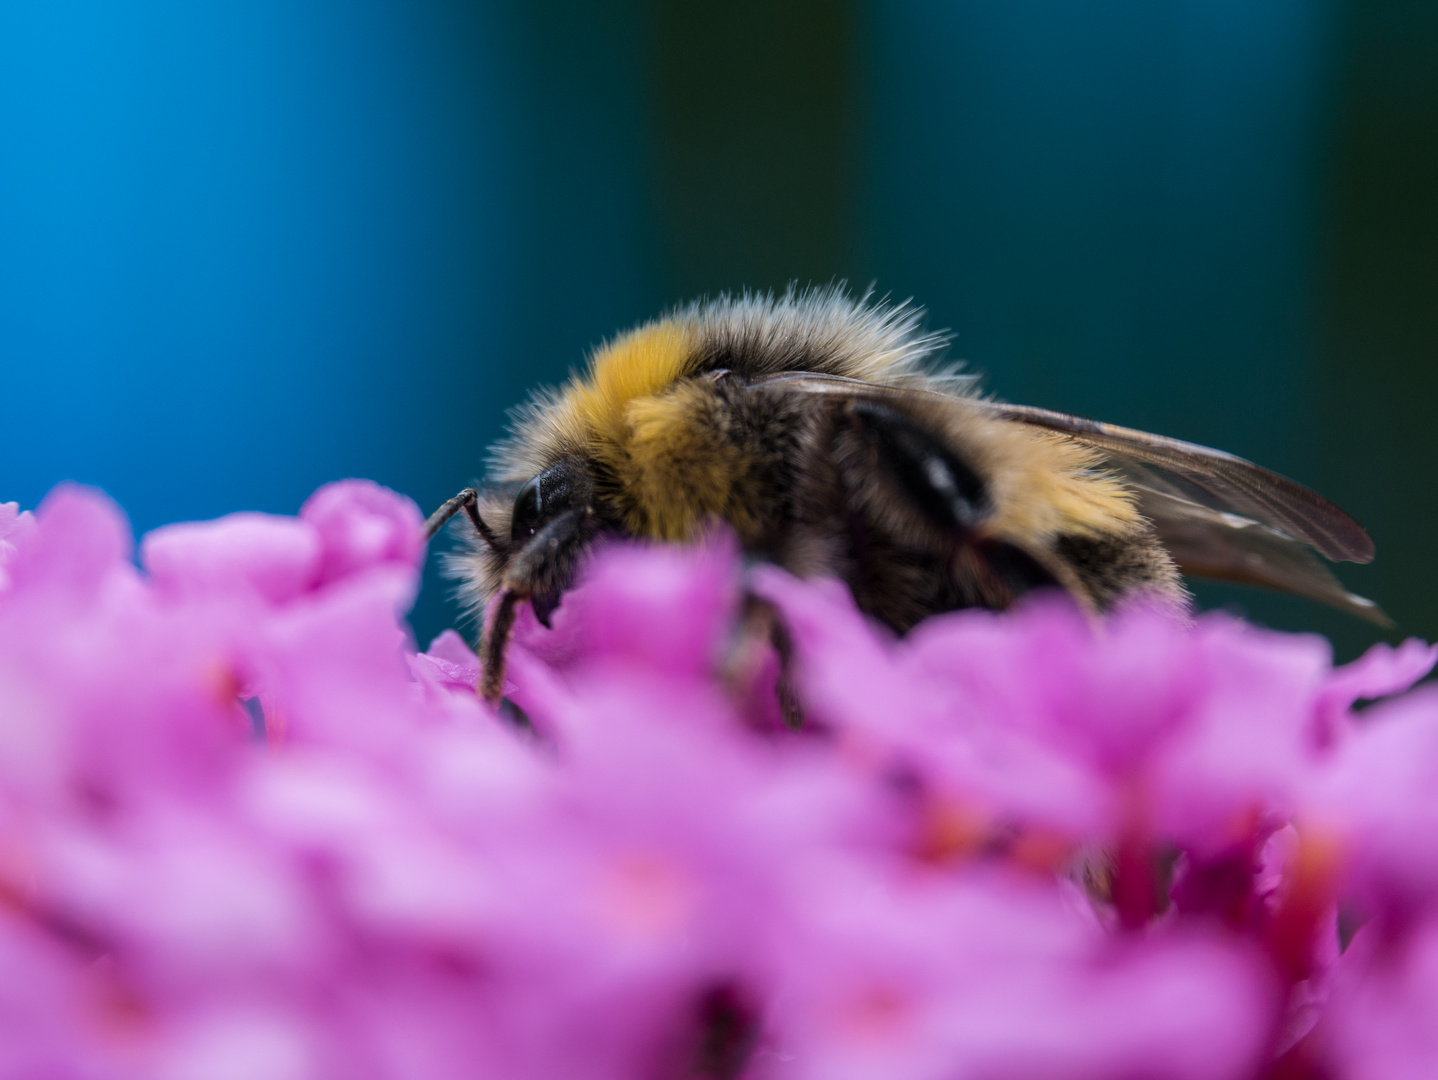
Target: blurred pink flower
1377, 797
1006, 846
995, 976
13, 525
1382, 1018
272, 559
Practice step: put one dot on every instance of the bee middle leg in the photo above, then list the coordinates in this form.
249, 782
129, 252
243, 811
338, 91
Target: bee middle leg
761, 627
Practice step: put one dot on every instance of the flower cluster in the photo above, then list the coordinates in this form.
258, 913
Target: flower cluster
246, 832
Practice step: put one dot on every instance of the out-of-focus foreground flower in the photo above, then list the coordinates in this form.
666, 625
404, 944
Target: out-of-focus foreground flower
244, 832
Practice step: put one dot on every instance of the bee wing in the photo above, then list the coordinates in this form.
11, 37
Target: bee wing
1220, 516
1213, 479
1222, 546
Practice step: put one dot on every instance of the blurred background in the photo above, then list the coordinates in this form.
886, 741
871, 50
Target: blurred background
248, 246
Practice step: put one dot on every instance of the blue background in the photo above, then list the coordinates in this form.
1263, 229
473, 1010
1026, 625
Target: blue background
248, 247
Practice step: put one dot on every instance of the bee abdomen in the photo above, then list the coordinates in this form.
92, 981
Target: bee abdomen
1115, 567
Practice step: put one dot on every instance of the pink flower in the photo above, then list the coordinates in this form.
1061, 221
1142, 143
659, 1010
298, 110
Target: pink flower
273, 559
1381, 1022
1379, 673
362, 525
1038, 715
345, 529
13, 525
1016, 845
1377, 798
999, 977
658, 609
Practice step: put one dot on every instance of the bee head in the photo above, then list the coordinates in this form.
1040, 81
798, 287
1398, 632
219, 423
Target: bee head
550, 524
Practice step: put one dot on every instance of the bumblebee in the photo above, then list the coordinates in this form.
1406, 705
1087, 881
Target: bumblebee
817, 426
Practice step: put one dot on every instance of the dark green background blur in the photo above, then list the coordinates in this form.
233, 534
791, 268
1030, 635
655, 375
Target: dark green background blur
249, 246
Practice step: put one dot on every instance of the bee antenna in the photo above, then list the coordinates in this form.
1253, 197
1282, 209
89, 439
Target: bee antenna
467, 501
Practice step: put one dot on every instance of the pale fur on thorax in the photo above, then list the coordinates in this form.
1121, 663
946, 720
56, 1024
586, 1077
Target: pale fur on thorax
857, 337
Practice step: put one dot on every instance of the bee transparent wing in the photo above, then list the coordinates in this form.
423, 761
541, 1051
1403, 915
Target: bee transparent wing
1222, 546
1213, 479
1220, 516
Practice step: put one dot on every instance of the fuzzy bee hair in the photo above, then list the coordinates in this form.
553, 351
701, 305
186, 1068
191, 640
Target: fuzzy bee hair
669, 433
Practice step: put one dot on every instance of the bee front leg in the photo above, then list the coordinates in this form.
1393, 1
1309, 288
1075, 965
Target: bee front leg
541, 569
496, 646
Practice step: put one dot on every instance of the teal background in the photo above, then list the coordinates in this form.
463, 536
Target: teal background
247, 247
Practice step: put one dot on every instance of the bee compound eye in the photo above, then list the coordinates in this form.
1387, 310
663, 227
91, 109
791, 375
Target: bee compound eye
528, 507
549, 495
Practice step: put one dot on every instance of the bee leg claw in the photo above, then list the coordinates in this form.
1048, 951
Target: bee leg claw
515, 715
760, 626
